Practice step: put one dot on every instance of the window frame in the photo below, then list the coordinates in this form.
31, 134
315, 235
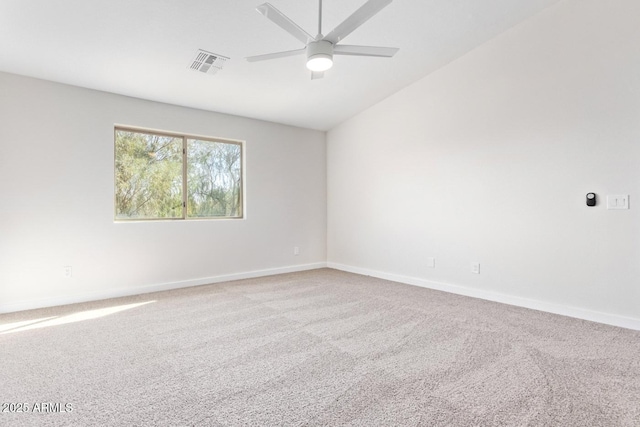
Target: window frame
185, 190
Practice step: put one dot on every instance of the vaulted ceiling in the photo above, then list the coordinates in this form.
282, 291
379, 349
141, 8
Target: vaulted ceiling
144, 48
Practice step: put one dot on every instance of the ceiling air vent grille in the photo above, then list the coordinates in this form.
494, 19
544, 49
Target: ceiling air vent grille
207, 62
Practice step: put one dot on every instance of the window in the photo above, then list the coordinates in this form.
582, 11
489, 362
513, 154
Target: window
169, 176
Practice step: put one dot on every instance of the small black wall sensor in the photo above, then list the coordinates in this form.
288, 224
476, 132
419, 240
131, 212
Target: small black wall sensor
591, 199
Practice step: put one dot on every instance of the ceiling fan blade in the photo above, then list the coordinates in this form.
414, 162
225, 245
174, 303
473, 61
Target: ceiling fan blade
281, 20
356, 19
317, 75
383, 52
275, 55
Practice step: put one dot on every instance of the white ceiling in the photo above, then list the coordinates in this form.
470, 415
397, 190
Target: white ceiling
143, 48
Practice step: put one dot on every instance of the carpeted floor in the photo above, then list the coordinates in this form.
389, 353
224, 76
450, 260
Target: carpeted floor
315, 348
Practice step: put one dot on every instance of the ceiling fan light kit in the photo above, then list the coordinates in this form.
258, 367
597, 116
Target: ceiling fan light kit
319, 50
319, 55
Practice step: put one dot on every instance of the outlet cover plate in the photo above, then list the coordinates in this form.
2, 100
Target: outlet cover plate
475, 267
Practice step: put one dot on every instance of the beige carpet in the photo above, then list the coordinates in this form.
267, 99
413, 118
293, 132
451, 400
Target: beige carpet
315, 348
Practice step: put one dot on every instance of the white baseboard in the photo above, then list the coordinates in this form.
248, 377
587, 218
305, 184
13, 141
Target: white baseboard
576, 312
124, 292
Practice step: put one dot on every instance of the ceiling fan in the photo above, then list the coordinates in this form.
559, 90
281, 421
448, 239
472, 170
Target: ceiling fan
320, 49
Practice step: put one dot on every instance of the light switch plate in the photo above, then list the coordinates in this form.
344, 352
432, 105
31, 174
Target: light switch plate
620, 201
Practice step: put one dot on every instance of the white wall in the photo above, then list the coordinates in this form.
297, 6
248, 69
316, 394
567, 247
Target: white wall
489, 160
56, 201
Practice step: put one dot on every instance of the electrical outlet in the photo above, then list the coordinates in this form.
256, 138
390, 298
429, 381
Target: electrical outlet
68, 271
475, 267
296, 250
431, 262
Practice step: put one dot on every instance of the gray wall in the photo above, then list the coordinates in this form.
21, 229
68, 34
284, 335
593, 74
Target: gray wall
489, 159
57, 168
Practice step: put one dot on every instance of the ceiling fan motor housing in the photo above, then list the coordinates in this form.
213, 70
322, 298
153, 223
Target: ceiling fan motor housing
320, 52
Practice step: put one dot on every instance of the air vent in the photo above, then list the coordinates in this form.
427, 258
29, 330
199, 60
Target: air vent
207, 62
